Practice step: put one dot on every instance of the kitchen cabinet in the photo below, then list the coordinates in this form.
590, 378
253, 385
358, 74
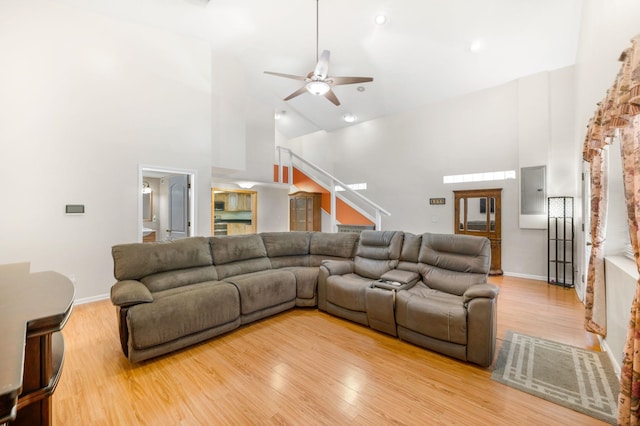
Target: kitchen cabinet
235, 201
238, 201
233, 212
239, 228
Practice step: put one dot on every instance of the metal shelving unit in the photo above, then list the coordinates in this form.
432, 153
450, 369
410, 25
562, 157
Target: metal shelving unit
561, 242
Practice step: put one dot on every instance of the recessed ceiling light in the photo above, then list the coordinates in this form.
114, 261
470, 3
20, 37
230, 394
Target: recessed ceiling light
476, 45
360, 88
278, 114
349, 118
380, 19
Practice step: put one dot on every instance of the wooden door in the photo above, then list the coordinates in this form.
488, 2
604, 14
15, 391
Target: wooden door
478, 212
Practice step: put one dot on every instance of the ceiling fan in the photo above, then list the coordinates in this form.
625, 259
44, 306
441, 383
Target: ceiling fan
318, 82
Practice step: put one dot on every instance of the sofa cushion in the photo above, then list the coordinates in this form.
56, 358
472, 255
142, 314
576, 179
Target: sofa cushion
348, 291
182, 311
377, 252
287, 248
306, 280
264, 289
323, 246
181, 277
452, 263
410, 252
239, 254
286, 243
410, 247
432, 313
234, 248
135, 260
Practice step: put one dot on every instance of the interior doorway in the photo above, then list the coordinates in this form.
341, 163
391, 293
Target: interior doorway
166, 203
233, 212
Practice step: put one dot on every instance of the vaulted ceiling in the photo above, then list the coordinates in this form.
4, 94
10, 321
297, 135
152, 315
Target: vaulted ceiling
422, 54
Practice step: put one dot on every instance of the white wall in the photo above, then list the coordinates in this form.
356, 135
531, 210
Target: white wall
624, 274
607, 27
229, 114
243, 128
243, 144
84, 100
404, 157
273, 208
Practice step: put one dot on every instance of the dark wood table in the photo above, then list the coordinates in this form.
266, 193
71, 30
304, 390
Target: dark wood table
33, 309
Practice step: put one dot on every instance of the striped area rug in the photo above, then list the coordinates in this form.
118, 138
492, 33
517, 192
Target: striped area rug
576, 378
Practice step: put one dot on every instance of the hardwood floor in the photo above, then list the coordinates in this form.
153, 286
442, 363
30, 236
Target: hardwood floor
307, 367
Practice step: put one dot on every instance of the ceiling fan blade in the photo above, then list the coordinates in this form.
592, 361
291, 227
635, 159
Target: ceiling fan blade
279, 74
332, 97
298, 92
322, 67
337, 81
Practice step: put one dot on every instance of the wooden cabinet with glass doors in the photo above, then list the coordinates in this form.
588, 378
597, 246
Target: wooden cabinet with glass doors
304, 211
477, 212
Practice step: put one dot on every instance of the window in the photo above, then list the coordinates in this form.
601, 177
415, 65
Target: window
354, 186
480, 177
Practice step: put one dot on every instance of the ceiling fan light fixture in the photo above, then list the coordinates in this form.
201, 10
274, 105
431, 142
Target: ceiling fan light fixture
318, 88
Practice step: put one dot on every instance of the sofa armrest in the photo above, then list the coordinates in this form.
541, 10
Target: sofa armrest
327, 269
401, 276
392, 285
487, 291
338, 267
130, 292
481, 301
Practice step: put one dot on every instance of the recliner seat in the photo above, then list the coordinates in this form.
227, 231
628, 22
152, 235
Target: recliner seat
452, 309
377, 253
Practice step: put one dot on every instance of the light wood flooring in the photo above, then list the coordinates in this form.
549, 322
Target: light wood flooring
308, 367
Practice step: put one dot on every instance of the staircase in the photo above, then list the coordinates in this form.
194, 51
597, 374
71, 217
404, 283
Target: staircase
346, 207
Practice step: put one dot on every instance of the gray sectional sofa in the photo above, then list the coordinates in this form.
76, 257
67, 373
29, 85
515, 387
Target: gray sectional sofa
427, 289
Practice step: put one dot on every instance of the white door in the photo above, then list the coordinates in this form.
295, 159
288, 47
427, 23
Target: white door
178, 207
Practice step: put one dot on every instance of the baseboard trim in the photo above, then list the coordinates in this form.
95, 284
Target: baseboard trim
605, 347
527, 276
91, 299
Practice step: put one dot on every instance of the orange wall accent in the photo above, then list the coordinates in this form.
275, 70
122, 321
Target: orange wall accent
285, 173
344, 213
349, 216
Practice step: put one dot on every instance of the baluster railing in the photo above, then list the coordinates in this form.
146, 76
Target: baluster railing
379, 212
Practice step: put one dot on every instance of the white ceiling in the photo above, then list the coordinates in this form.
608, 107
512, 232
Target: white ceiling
419, 56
